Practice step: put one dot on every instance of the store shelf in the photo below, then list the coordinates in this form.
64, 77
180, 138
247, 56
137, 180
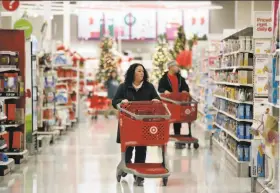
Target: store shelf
233, 117
232, 134
11, 125
261, 182
67, 67
271, 104
9, 97
233, 68
6, 167
66, 78
62, 65
233, 84
246, 31
19, 157
236, 52
227, 151
234, 101
11, 68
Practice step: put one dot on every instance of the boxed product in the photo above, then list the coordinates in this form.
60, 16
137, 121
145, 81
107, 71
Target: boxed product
10, 110
248, 43
245, 77
240, 152
246, 153
20, 117
241, 111
9, 58
240, 131
248, 111
16, 140
274, 83
248, 134
11, 82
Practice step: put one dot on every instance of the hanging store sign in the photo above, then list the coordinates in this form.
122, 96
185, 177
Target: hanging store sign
23, 24
263, 24
10, 5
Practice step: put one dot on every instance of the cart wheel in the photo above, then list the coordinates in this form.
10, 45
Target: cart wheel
139, 181
164, 180
196, 145
119, 178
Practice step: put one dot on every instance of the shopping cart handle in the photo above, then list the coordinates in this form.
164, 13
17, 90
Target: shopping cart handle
179, 102
141, 117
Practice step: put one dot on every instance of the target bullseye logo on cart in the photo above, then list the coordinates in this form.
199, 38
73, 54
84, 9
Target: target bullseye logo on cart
153, 130
187, 111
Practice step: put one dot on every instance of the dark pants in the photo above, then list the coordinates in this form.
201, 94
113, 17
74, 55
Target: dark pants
140, 154
177, 128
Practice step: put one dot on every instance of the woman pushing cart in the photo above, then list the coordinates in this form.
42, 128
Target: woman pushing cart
141, 124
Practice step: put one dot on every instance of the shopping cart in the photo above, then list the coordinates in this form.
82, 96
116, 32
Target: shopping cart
96, 104
183, 109
143, 123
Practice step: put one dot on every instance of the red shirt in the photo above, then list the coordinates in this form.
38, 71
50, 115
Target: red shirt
174, 82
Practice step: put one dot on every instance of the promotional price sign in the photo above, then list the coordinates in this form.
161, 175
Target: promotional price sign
263, 24
10, 5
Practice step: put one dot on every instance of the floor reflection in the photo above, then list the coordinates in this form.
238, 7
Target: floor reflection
84, 161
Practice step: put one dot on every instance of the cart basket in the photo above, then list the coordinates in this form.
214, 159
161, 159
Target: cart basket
182, 106
141, 110
178, 98
143, 124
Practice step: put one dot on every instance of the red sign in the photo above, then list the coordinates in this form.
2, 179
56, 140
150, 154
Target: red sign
10, 5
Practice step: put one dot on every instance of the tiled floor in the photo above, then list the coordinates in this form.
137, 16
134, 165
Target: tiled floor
85, 160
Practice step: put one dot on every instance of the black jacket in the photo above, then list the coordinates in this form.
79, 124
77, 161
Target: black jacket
146, 93
165, 84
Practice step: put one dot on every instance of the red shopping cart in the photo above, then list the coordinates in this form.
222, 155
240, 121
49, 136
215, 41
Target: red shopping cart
143, 124
97, 103
183, 109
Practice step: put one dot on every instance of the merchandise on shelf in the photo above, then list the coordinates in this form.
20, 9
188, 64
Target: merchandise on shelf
9, 59
235, 93
61, 59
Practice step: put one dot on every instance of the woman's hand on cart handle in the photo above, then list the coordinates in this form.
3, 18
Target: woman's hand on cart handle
124, 101
156, 100
184, 91
166, 92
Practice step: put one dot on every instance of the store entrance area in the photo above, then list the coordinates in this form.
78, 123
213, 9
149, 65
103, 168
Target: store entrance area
85, 160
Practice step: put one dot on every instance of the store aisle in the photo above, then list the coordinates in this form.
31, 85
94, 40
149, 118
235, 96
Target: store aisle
85, 160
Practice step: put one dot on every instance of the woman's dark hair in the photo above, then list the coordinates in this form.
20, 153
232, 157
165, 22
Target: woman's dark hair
129, 76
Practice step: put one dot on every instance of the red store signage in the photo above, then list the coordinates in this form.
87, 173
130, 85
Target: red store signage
10, 5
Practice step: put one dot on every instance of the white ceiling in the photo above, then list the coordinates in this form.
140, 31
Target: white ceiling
58, 7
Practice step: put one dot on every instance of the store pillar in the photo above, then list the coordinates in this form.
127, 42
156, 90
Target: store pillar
66, 24
243, 14
48, 18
